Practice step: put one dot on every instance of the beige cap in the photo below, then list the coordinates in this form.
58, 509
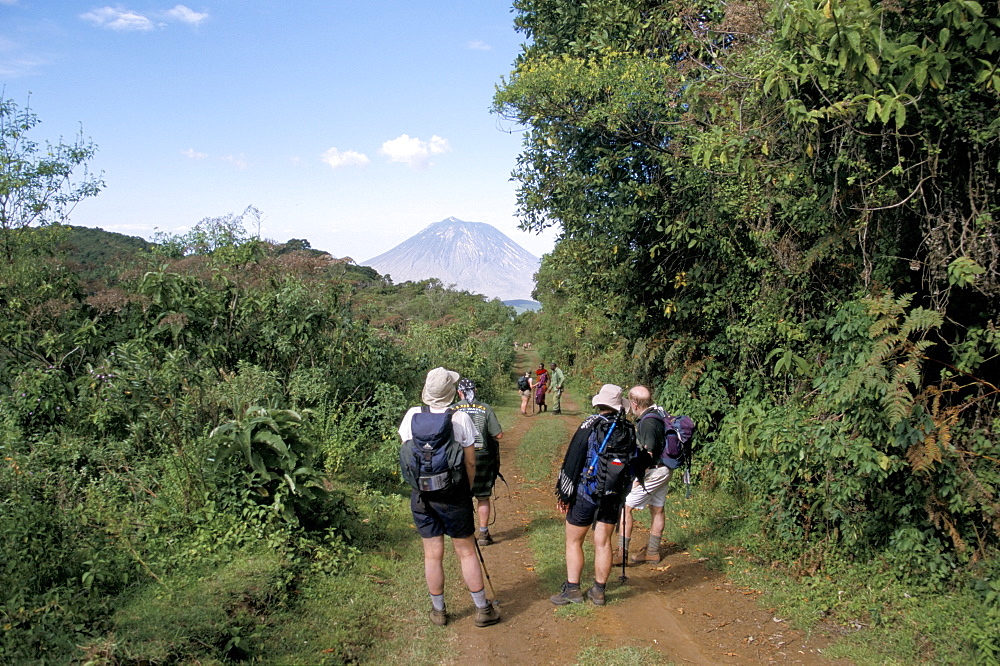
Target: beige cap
609, 395
439, 388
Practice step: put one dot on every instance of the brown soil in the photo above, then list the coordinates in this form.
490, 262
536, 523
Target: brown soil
680, 608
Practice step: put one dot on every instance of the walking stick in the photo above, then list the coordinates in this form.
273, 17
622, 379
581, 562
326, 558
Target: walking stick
623, 578
486, 572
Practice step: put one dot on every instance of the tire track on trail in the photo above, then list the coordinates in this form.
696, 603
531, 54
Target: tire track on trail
681, 609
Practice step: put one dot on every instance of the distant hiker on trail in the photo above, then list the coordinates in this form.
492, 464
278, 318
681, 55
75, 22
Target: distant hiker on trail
441, 500
652, 492
525, 387
541, 386
575, 501
558, 379
488, 436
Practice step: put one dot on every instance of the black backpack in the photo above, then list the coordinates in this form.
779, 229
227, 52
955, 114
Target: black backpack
432, 461
611, 453
523, 384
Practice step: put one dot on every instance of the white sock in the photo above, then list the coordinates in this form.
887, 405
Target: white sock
480, 598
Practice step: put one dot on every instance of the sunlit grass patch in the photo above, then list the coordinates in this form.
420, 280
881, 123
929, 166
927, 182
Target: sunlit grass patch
541, 451
217, 612
594, 655
374, 612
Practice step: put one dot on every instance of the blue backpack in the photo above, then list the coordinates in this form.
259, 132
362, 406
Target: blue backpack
431, 461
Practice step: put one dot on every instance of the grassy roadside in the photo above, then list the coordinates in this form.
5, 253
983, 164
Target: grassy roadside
881, 619
377, 611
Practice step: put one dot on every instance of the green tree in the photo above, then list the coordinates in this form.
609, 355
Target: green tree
37, 184
786, 215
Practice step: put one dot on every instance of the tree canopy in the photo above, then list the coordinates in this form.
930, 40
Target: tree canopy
784, 215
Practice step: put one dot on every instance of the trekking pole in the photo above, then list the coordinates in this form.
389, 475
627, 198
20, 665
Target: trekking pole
486, 572
623, 578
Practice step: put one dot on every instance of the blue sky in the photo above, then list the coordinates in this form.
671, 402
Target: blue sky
353, 124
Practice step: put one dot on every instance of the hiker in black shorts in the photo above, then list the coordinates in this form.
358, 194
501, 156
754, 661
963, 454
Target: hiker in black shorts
581, 511
450, 512
488, 436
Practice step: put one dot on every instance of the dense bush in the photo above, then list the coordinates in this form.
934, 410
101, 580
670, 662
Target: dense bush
783, 216
186, 436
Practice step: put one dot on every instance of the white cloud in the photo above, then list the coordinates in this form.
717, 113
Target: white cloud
478, 45
238, 162
193, 154
186, 15
126, 20
120, 20
413, 151
336, 158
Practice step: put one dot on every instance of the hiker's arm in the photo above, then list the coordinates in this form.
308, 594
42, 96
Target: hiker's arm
498, 436
470, 463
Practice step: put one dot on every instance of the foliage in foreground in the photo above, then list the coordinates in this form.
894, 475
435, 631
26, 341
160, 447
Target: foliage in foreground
194, 432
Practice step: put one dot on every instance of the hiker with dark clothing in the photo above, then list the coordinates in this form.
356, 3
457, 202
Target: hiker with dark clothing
488, 436
525, 386
541, 387
558, 379
582, 511
652, 491
448, 511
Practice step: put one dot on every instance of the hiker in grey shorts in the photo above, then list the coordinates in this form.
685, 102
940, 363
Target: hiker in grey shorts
652, 492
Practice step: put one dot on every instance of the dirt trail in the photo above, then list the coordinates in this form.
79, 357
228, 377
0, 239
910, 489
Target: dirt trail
680, 608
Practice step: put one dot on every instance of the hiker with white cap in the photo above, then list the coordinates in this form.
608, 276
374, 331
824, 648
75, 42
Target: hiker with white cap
577, 502
438, 459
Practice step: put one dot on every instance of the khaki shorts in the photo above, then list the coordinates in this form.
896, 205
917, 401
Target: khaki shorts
655, 492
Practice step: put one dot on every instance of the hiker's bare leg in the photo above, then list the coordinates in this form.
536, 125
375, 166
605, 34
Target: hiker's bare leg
658, 520
602, 551
483, 509
434, 564
575, 537
629, 521
469, 561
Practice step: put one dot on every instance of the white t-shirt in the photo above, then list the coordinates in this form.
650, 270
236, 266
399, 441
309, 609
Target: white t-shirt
462, 427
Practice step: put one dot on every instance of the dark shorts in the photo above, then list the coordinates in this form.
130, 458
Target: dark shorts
449, 514
584, 513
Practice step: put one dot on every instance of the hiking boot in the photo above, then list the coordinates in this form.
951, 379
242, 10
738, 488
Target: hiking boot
484, 539
568, 595
652, 556
639, 556
596, 596
619, 556
439, 617
487, 616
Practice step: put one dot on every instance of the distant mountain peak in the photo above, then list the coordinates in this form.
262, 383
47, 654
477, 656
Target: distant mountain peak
474, 256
